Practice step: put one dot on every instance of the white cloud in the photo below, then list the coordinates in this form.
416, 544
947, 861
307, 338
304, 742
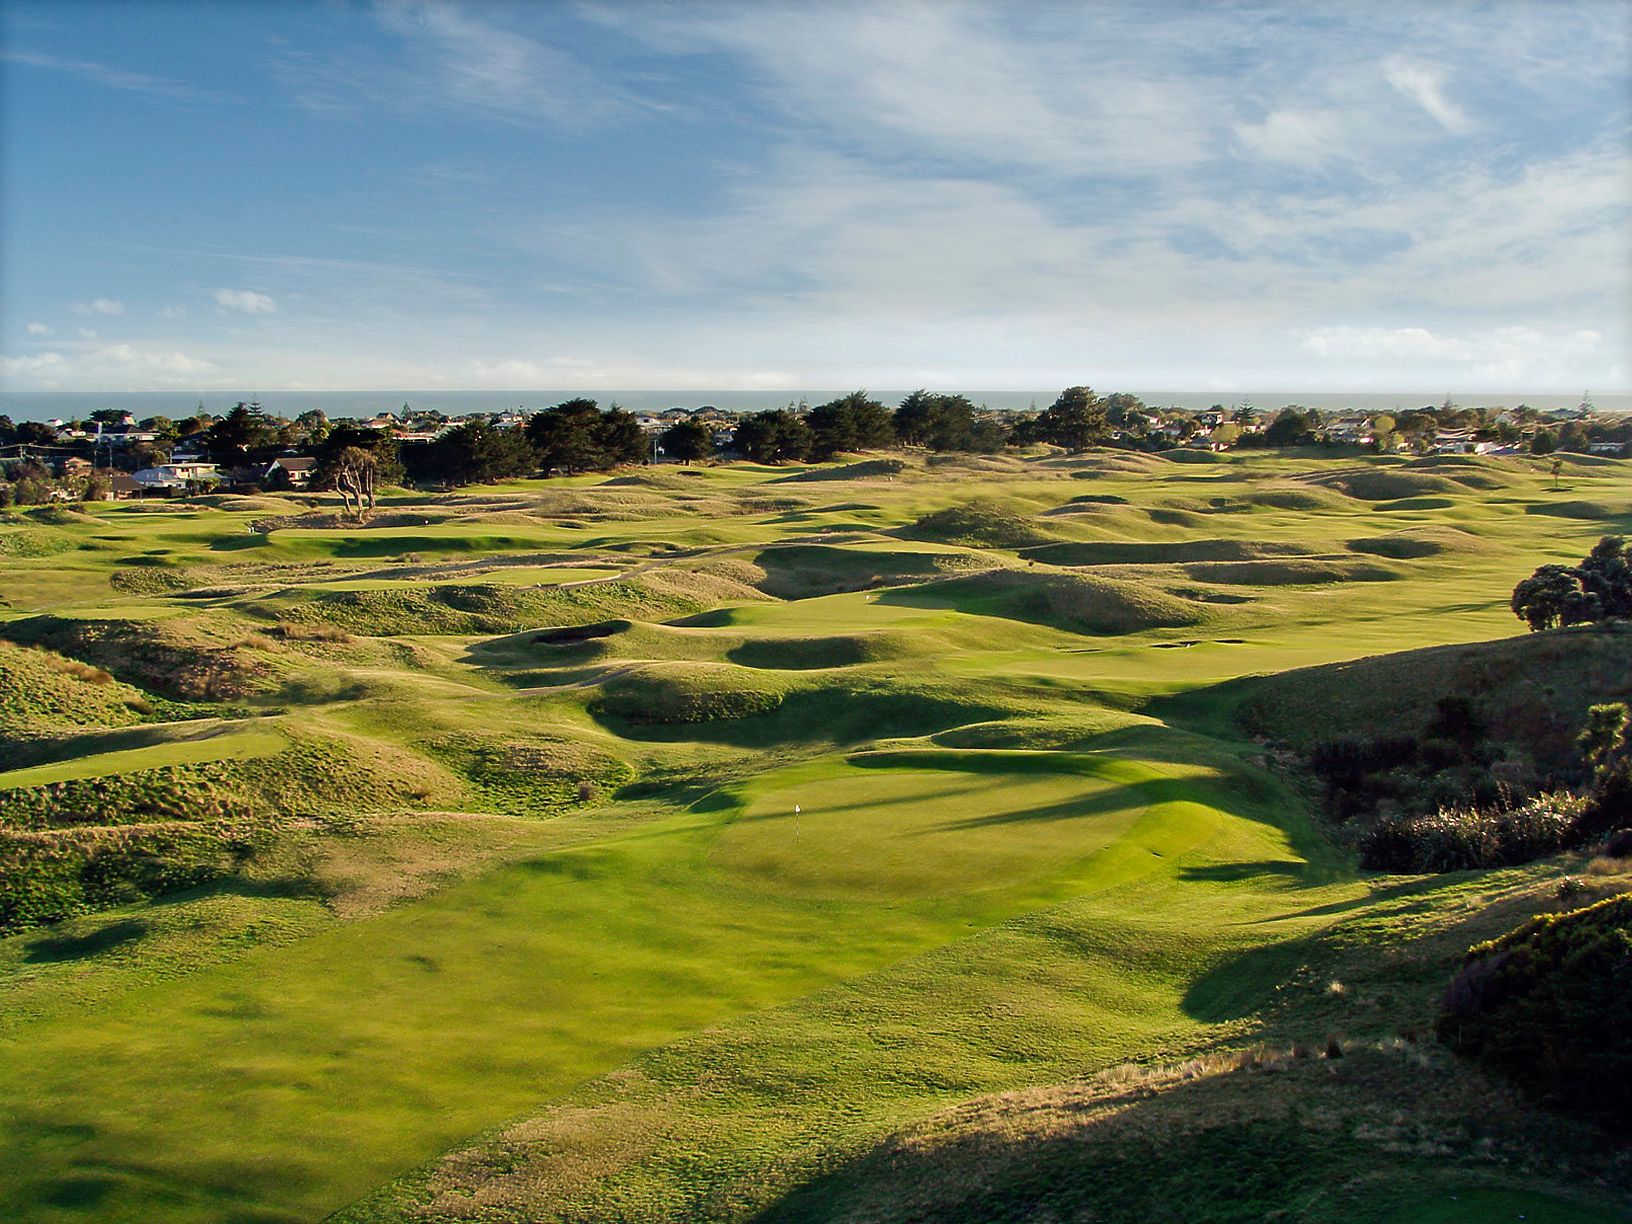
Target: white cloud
1503, 356
245, 301
101, 74
1300, 137
173, 312
88, 333
552, 372
1424, 85
38, 329
101, 306
118, 367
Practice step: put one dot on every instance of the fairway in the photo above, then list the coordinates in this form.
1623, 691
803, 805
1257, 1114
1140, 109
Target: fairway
673, 853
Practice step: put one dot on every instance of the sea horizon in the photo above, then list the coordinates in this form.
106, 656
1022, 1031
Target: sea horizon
45, 405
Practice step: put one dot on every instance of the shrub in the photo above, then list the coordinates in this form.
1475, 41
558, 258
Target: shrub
1459, 839
1547, 1004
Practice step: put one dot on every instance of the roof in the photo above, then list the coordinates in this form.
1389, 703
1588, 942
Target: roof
294, 463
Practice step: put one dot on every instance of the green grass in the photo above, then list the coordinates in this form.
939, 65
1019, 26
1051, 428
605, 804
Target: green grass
1033, 839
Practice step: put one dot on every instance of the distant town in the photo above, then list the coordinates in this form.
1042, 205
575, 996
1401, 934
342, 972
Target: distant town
111, 455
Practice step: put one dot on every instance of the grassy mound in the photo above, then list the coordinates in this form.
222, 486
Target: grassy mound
1533, 691
866, 469
1548, 1003
474, 608
31, 542
192, 660
1291, 572
838, 650
1591, 511
980, 524
1382, 484
1417, 542
539, 776
1275, 497
686, 693
83, 844
1119, 552
801, 571
43, 691
1078, 603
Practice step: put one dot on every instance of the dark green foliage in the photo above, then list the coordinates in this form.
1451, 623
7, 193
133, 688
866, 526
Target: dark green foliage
1598, 589
1548, 1004
851, 423
1461, 839
576, 436
474, 453
774, 437
1076, 421
687, 440
947, 423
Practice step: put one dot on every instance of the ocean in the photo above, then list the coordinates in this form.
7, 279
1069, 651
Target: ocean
71, 405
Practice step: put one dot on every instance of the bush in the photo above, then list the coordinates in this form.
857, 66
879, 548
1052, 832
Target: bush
1547, 1004
1461, 839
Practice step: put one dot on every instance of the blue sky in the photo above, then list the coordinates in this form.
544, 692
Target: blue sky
330, 195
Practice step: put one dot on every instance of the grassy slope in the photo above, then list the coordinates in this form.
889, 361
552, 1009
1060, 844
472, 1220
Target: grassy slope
695, 1001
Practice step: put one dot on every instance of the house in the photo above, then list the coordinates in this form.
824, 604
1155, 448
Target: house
298, 468
1618, 449
1453, 442
122, 486
177, 477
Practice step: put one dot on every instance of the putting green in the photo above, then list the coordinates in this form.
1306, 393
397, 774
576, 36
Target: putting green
877, 833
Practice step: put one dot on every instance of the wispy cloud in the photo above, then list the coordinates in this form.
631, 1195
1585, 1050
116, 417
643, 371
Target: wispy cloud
101, 306
245, 301
1424, 85
111, 77
115, 368
38, 329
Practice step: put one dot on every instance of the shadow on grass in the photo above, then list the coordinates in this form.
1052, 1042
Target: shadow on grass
52, 949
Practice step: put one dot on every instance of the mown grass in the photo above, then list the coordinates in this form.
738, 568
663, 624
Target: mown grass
1032, 840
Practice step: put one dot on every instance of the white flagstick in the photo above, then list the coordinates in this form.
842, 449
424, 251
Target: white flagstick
796, 822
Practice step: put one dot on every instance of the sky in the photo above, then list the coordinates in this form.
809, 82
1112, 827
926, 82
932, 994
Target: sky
1359, 195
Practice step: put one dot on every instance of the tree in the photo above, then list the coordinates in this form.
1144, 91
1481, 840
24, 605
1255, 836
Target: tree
1551, 597
355, 475
1075, 421
620, 438
476, 453
566, 436
1121, 409
774, 437
1600, 588
687, 440
850, 423
1291, 427
242, 430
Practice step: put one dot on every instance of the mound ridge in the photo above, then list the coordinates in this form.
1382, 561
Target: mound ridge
977, 525
1078, 603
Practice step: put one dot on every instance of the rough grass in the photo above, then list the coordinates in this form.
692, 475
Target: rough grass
981, 524
1415, 542
964, 854
1301, 571
194, 660
475, 608
1532, 690
1078, 603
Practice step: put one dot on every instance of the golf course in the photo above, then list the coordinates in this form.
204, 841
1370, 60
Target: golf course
922, 837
